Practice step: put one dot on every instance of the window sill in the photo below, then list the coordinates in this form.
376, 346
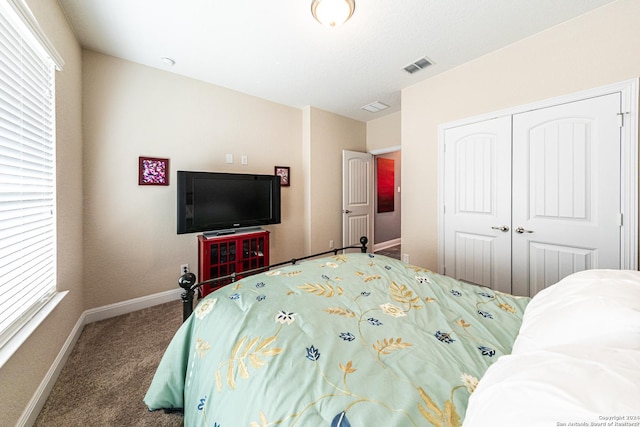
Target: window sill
14, 343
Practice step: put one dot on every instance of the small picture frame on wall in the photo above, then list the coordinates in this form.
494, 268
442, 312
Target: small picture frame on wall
283, 173
153, 171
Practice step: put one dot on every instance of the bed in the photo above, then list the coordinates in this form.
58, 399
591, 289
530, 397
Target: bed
344, 340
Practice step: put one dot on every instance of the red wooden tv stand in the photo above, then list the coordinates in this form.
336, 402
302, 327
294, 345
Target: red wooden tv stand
231, 253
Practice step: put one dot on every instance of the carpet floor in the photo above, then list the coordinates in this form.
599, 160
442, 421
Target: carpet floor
109, 370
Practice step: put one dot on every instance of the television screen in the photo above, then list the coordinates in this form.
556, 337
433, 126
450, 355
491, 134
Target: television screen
209, 201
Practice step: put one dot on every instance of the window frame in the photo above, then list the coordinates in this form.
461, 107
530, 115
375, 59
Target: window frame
24, 30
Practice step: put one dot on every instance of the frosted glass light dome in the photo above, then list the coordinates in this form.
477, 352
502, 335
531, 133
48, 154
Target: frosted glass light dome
332, 13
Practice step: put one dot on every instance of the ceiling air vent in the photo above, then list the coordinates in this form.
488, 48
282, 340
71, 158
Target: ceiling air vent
374, 107
420, 64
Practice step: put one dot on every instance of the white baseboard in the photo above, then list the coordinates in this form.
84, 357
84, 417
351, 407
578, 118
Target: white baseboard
125, 307
387, 244
38, 400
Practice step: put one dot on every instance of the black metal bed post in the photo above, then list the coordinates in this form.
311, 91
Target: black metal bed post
186, 282
363, 242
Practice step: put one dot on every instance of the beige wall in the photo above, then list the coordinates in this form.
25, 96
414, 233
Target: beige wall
329, 134
593, 50
130, 110
384, 133
23, 373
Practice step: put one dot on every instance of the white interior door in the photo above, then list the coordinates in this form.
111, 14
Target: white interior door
357, 197
566, 191
477, 203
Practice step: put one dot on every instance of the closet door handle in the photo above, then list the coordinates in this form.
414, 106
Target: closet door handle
521, 230
504, 228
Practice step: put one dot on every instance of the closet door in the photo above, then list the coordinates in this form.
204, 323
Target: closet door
566, 191
477, 203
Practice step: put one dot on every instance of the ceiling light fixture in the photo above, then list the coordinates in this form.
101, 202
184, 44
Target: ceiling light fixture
170, 62
332, 13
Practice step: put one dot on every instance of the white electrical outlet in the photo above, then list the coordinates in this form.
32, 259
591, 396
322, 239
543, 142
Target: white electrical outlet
184, 268
405, 258
330, 244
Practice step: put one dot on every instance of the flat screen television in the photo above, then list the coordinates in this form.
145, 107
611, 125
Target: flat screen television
226, 202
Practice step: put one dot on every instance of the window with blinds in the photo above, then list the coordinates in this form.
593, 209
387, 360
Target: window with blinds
27, 173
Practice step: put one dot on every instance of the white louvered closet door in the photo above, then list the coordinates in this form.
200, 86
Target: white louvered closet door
566, 191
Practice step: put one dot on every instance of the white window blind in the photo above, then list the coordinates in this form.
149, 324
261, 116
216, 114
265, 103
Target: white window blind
27, 174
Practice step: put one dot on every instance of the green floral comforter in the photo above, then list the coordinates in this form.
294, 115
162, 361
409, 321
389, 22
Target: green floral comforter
351, 340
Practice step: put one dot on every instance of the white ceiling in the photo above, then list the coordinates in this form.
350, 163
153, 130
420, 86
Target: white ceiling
274, 49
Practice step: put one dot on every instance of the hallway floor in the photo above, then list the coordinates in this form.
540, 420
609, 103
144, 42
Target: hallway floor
391, 252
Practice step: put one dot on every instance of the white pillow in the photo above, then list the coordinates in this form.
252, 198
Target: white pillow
543, 388
590, 308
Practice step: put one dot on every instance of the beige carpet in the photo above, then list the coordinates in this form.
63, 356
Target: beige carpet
110, 369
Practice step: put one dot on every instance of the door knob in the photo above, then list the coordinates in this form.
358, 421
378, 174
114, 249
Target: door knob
521, 230
347, 211
503, 228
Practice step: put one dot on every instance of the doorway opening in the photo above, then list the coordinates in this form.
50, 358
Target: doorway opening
387, 212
